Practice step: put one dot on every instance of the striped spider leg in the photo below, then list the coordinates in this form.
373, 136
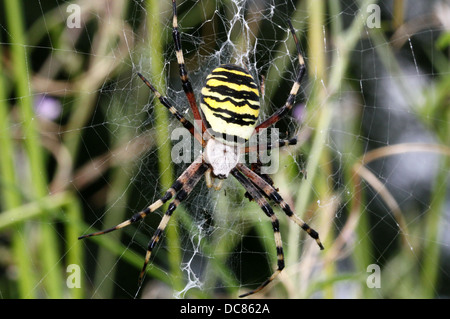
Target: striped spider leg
165, 101
187, 86
267, 147
181, 188
262, 202
258, 188
270, 192
189, 184
281, 112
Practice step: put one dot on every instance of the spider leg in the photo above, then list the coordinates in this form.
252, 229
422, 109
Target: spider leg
187, 86
271, 193
177, 185
164, 101
262, 202
181, 195
280, 113
256, 167
281, 143
278, 144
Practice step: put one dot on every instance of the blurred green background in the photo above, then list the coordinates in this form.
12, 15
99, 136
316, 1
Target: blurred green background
84, 145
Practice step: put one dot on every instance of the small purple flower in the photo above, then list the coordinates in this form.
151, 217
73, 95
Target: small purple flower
47, 107
299, 112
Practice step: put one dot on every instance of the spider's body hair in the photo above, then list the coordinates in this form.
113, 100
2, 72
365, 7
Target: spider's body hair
230, 103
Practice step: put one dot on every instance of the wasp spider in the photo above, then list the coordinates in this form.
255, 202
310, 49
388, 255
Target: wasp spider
229, 106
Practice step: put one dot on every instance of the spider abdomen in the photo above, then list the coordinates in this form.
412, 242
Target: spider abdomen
230, 102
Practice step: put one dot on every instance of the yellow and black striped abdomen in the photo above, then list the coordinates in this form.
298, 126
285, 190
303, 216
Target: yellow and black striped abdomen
230, 102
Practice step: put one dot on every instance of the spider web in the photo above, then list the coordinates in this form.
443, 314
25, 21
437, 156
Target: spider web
369, 172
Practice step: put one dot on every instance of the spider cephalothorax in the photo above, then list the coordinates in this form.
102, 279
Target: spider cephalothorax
228, 115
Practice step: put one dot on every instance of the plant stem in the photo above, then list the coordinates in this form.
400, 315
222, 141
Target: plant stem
47, 248
11, 195
156, 48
